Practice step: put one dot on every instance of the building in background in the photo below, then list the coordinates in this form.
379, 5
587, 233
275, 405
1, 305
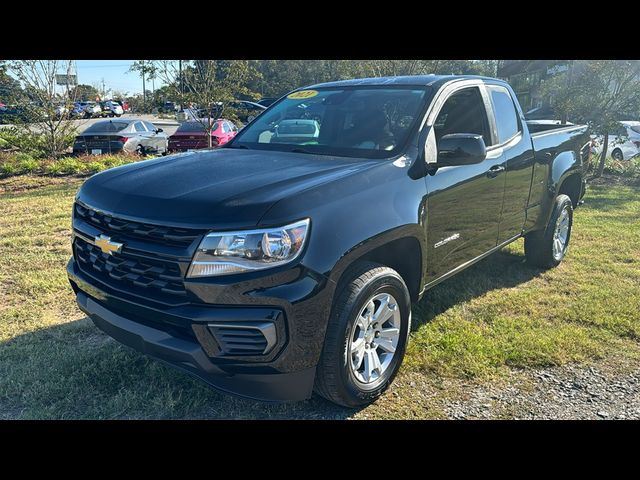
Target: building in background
526, 76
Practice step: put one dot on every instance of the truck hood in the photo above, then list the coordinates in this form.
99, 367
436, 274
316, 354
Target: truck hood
228, 188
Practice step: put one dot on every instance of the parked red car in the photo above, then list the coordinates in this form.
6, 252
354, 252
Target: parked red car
192, 135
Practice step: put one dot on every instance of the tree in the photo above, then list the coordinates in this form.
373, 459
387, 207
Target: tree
147, 70
598, 93
209, 85
39, 80
10, 90
83, 92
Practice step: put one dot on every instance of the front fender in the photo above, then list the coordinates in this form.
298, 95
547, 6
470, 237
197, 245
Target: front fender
354, 215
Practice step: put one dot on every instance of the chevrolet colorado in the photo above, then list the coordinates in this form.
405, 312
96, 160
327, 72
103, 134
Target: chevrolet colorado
287, 261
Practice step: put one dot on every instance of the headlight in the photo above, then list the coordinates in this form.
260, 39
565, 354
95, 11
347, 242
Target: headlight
224, 253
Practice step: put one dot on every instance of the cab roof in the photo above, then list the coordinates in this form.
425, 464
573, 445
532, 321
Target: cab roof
417, 80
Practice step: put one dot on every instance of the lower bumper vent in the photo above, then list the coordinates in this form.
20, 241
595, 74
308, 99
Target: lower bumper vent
255, 338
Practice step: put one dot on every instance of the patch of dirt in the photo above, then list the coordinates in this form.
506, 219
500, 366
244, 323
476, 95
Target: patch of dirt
25, 183
608, 180
600, 391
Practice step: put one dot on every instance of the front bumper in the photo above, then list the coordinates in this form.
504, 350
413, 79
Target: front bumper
171, 335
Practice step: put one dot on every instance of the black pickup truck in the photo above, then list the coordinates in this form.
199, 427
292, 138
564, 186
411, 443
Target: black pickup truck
287, 261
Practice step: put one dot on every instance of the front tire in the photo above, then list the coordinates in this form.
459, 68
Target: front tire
547, 248
366, 336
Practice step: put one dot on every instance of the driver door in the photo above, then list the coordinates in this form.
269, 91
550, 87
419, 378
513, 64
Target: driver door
464, 202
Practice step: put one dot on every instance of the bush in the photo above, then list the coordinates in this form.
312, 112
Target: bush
94, 167
70, 166
29, 165
30, 143
22, 163
8, 169
625, 168
53, 168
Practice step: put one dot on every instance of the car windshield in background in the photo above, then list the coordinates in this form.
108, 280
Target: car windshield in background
636, 128
195, 127
355, 122
106, 127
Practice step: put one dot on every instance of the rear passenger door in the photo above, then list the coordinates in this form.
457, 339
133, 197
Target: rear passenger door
142, 134
517, 150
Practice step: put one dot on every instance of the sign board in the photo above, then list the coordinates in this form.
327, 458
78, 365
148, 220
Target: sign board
64, 79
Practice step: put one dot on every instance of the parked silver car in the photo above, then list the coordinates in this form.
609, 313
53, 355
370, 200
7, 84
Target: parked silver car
113, 136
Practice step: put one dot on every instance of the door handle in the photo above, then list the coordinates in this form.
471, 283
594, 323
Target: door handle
495, 171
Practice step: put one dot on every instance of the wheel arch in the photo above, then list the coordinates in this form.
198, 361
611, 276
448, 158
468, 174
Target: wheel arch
402, 250
572, 187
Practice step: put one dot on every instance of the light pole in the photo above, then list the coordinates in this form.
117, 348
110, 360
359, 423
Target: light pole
144, 91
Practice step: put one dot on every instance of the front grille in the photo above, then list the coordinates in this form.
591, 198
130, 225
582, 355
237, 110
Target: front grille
153, 279
152, 233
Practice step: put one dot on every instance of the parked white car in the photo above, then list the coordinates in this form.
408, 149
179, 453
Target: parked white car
112, 109
61, 111
92, 109
624, 142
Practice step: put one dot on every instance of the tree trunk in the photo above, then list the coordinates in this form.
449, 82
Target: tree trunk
209, 127
603, 156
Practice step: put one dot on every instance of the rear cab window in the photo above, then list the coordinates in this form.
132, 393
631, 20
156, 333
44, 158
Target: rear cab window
506, 117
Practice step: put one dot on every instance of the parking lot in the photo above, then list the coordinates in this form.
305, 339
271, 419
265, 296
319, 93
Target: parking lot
168, 125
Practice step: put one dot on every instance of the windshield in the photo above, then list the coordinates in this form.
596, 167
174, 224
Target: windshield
635, 128
357, 122
106, 127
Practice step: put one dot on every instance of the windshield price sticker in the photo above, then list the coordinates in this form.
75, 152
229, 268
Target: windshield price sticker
303, 94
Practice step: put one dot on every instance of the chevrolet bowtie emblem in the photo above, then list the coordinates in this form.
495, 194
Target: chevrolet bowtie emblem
105, 244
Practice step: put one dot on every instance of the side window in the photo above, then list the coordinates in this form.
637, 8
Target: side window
505, 112
138, 127
150, 126
620, 130
233, 127
463, 112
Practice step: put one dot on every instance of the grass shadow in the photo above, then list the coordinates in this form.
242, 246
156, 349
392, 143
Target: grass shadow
503, 269
75, 370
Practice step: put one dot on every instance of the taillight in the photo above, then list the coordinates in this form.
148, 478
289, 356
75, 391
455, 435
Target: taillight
123, 139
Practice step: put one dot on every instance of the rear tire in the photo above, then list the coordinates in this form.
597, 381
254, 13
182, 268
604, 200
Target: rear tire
376, 295
547, 248
617, 155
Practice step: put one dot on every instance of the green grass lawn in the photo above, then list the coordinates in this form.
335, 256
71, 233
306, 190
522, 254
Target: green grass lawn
497, 315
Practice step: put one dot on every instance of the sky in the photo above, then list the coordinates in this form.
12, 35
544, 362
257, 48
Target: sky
115, 74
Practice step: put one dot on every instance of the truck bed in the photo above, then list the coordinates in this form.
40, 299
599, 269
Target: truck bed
543, 126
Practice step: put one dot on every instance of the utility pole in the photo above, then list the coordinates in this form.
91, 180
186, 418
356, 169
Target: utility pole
180, 76
104, 92
144, 91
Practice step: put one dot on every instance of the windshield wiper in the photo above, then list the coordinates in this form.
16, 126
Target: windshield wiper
302, 150
309, 152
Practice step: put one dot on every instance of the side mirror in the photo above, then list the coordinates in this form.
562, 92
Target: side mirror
461, 149
159, 130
